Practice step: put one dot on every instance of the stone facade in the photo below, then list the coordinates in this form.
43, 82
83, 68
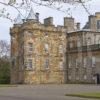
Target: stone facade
44, 53
38, 53
93, 23
83, 55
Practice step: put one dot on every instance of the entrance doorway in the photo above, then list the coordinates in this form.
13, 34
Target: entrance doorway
97, 78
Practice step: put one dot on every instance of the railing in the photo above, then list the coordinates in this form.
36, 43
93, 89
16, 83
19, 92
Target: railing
94, 47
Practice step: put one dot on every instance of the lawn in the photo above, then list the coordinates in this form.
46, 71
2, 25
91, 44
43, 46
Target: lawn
86, 95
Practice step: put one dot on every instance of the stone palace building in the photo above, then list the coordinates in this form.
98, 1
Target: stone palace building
45, 53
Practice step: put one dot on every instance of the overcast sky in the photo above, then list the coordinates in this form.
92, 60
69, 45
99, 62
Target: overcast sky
77, 12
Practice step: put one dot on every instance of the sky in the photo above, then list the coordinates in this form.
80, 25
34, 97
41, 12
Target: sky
77, 12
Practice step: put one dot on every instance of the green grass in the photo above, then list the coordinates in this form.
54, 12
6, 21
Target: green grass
86, 95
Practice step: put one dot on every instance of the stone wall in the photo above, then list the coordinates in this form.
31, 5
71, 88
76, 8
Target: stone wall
48, 43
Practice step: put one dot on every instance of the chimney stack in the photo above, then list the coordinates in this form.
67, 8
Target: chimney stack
48, 21
78, 26
92, 23
37, 16
69, 23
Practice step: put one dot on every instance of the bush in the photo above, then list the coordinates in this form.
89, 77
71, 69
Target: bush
4, 72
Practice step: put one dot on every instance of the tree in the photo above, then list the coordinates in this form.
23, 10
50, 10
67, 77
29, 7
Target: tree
25, 5
4, 62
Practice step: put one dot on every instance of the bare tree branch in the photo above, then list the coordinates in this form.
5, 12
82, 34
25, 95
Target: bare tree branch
52, 4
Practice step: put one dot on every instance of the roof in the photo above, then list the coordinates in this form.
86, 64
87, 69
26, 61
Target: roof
84, 30
31, 14
18, 20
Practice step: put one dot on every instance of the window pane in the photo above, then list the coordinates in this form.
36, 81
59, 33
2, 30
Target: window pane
46, 47
93, 62
60, 48
61, 64
29, 64
30, 34
46, 63
85, 62
98, 24
30, 46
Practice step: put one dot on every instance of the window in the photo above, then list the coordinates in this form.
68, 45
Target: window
77, 63
71, 45
98, 24
30, 46
69, 77
89, 41
79, 42
85, 62
69, 64
61, 65
46, 63
93, 62
85, 77
29, 66
46, 34
99, 40
93, 77
46, 47
89, 61
77, 78
30, 34
60, 48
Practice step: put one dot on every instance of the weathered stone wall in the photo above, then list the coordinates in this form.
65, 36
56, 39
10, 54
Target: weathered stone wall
83, 57
54, 38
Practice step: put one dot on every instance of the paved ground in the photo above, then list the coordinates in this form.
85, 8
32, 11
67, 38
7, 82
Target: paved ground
45, 92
